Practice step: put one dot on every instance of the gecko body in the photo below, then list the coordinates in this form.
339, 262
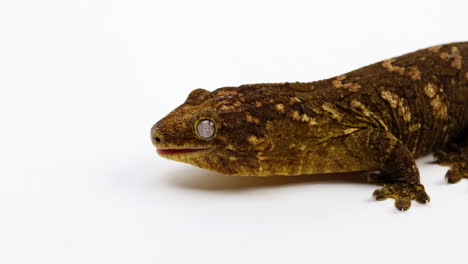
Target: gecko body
376, 118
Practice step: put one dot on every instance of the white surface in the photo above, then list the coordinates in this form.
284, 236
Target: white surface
82, 82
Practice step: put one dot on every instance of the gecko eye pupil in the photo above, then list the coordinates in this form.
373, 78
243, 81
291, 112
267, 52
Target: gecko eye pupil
206, 129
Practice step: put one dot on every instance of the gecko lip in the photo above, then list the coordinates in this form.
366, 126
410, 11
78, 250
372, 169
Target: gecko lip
179, 151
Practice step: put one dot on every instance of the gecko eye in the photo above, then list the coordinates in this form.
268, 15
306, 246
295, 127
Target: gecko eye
205, 129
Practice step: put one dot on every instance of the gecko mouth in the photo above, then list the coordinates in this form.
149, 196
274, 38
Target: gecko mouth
179, 151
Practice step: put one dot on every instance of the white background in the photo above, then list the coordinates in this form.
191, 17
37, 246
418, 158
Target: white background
82, 82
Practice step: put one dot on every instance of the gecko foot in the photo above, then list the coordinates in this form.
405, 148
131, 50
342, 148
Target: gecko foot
403, 193
457, 159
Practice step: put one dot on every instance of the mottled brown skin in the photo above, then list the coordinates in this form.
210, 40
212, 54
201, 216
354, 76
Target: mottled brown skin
380, 117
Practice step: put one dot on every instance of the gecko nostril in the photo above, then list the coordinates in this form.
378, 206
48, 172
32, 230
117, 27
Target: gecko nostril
158, 139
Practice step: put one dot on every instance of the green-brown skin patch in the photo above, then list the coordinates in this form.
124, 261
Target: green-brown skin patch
379, 117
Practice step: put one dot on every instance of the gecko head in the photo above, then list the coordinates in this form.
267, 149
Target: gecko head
214, 130
261, 129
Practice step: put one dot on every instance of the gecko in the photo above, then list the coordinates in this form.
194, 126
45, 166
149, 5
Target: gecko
377, 118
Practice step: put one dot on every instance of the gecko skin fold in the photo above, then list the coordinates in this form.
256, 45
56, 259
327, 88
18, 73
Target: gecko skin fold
377, 118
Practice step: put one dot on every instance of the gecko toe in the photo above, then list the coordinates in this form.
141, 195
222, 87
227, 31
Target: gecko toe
402, 204
454, 175
422, 197
379, 195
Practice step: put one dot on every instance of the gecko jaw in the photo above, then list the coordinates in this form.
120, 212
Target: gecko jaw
179, 151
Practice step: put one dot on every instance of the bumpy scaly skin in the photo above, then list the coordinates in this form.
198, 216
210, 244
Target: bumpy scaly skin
379, 117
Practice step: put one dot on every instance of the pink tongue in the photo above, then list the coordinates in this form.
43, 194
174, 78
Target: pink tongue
176, 151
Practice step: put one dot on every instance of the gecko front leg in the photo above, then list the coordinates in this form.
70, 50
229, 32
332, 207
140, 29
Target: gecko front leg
395, 161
